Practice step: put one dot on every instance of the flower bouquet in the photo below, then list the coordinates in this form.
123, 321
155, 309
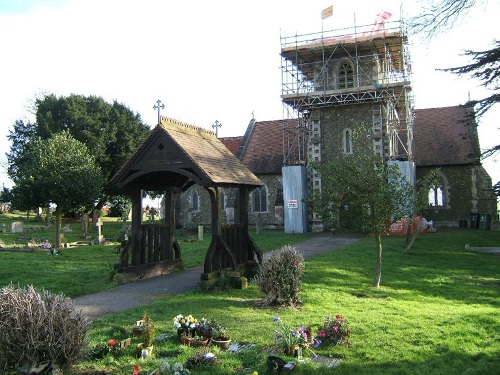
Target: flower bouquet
335, 330
293, 340
185, 325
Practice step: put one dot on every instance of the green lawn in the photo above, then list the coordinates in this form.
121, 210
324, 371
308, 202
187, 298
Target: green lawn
85, 269
436, 312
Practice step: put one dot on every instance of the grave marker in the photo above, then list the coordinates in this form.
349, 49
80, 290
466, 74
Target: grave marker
17, 227
100, 238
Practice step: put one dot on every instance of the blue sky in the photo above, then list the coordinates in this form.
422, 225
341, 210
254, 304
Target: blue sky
206, 60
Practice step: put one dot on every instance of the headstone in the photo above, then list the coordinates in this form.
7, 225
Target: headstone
84, 224
99, 239
16, 227
124, 230
258, 224
95, 217
200, 232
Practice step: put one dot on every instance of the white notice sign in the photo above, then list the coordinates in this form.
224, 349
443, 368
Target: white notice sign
292, 203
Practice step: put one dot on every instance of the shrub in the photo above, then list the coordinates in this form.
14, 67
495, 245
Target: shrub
280, 277
39, 329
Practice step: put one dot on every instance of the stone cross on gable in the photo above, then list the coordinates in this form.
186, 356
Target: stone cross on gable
216, 126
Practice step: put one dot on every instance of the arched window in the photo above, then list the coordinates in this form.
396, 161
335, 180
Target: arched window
195, 201
259, 199
347, 141
345, 75
436, 196
438, 193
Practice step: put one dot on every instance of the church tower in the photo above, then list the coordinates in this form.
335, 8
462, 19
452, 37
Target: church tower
339, 82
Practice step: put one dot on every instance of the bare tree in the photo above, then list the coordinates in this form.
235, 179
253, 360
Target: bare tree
439, 16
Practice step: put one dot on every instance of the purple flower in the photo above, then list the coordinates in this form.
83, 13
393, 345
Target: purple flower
276, 318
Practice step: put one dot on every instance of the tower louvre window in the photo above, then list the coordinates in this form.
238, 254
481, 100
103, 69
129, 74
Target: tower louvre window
346, 75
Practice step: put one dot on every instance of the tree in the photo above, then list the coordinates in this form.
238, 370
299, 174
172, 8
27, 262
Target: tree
5, 195
111, 132
485, 65
62, 172
437, 16
362, 183
365, 191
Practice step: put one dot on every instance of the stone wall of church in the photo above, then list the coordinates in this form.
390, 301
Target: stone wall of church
467, 191
187, 217
274, 216
333, 122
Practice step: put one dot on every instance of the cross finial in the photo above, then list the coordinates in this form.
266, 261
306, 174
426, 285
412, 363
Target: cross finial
216, 126
159, 105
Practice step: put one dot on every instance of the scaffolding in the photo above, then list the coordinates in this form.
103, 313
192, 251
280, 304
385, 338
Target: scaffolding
357, 65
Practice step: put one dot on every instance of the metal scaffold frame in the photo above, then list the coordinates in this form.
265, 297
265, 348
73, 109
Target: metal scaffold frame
381, 74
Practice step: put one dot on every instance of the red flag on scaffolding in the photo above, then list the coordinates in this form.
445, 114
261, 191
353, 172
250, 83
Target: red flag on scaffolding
327, 12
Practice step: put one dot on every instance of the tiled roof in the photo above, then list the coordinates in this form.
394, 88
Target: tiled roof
264, 151
181, 148
445, 136
232, 143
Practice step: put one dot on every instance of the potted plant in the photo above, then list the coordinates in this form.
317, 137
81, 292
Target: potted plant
147, 332
220, 337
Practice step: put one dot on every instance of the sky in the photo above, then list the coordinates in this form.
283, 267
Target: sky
206, 61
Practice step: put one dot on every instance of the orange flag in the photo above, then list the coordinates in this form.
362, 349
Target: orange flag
327, 12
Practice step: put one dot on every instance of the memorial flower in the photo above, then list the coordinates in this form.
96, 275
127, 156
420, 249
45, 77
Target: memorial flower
185, 322
335, 329
288, 337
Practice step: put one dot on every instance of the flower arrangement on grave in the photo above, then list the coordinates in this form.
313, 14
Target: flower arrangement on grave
185, 325
178, 369
100, 350
290, 339
46, 245
218, 332
200, 357
335, 330
219, 335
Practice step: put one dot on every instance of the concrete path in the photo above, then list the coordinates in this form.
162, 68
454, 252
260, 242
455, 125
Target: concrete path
142, 292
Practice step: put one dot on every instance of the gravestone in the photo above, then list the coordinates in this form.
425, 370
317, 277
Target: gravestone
95, 218
99, 239
17, 227
200, 232
124, 230
84, 224
258, 224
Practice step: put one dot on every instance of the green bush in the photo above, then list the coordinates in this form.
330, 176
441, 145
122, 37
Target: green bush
280, 277
39, 329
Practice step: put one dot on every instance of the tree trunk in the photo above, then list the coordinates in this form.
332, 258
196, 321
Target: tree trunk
378, 271
58, 214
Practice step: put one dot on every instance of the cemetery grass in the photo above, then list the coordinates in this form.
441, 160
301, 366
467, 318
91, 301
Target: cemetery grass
85, 269
437, 312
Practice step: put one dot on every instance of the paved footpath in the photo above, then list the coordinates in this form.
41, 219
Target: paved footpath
142, 292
